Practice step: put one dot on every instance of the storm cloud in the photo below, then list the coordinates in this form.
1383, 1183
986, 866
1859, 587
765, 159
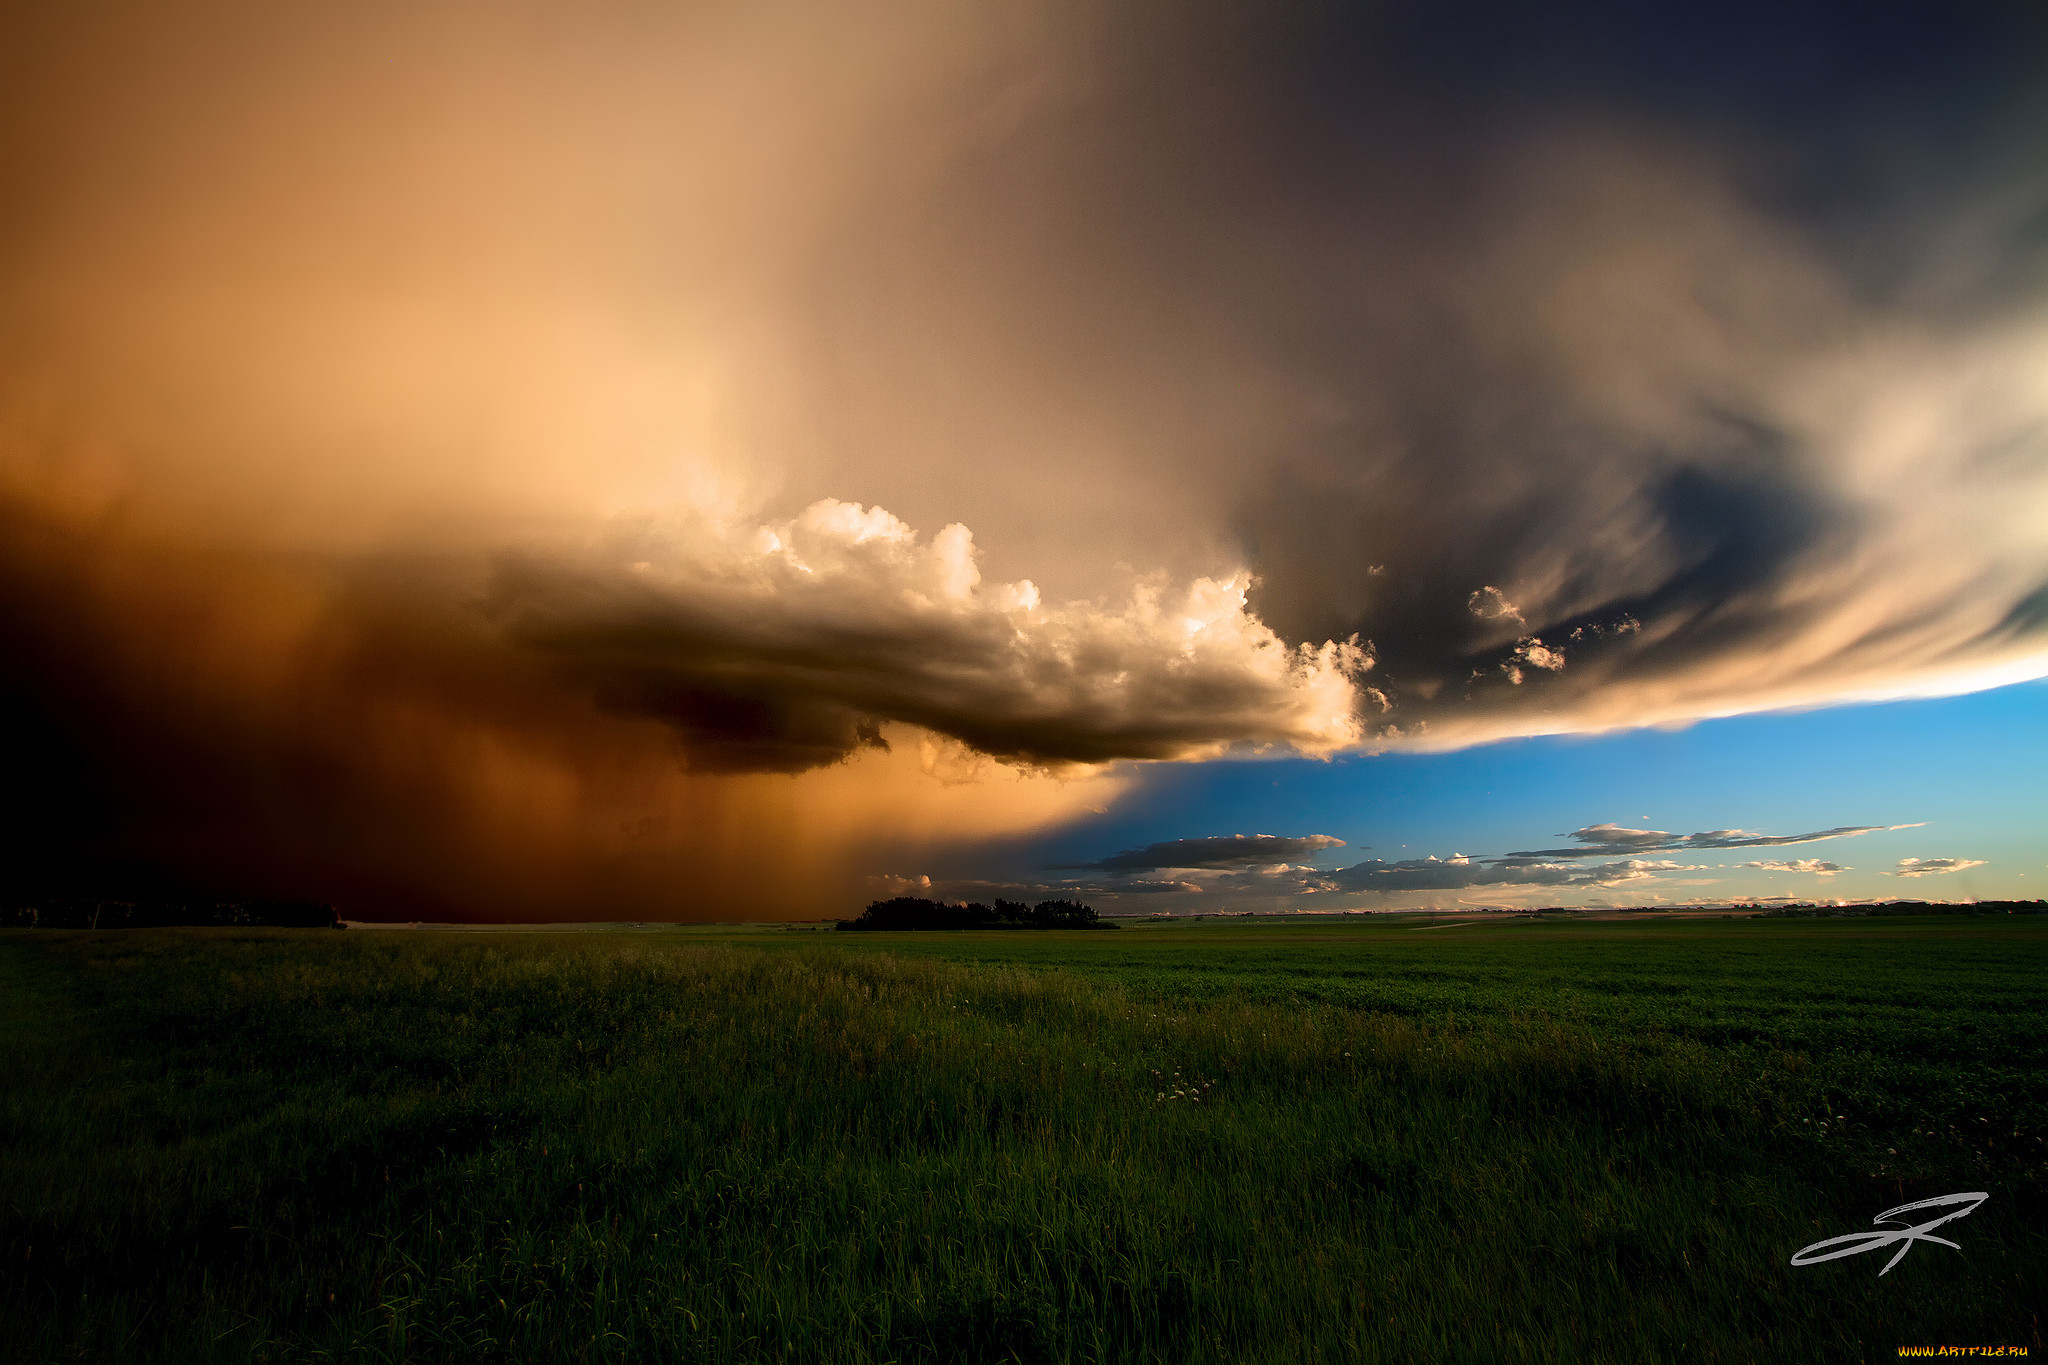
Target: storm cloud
783, 648
444, 450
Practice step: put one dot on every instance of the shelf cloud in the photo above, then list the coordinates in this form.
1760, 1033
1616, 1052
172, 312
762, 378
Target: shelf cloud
782, 649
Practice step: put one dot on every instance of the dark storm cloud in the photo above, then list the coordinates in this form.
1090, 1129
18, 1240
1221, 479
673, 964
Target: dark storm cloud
1312, 377
1605, 840
1586, 401
1223, 850
1592, 398
200, 722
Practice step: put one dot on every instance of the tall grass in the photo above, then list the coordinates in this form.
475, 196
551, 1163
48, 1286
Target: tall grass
254, 1145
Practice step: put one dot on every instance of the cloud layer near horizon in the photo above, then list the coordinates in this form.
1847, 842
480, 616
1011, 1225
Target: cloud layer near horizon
502, 384
1269, 873
1278, 870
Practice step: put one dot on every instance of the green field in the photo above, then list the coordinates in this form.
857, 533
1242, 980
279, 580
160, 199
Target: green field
1395, 1139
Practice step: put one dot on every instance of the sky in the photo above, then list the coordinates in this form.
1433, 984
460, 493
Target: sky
649, 461
1948, 792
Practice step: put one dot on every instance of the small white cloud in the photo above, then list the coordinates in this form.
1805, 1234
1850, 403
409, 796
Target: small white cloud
1627, 625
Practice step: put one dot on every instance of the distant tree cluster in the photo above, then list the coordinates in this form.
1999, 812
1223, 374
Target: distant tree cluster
1813, 911
909, 912
82, 912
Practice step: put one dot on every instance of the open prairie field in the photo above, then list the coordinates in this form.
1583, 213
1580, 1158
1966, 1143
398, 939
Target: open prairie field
1395, 1139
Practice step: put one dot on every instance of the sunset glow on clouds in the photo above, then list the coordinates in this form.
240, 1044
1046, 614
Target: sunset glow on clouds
484, 460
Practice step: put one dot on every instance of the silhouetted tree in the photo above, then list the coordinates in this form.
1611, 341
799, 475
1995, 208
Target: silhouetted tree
912, 912
1066, 915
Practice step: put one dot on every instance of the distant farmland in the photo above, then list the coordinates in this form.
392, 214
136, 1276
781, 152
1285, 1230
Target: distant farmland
1218, 1141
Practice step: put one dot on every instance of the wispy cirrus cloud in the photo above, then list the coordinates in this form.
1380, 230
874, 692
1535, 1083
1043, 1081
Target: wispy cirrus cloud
1598, 840
1933, 867
1813, 865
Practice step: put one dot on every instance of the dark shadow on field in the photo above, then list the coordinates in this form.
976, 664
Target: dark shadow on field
1017, 1326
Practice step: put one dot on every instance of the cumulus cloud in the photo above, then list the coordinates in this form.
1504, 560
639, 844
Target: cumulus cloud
1532, 653
1933, 867
781, 648
1815, 865
1223, 850
1595, 840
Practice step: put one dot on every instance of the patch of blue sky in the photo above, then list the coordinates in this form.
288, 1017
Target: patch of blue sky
1971, 772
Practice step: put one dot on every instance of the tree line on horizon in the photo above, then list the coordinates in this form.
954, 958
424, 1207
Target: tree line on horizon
89, 912
912, 912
